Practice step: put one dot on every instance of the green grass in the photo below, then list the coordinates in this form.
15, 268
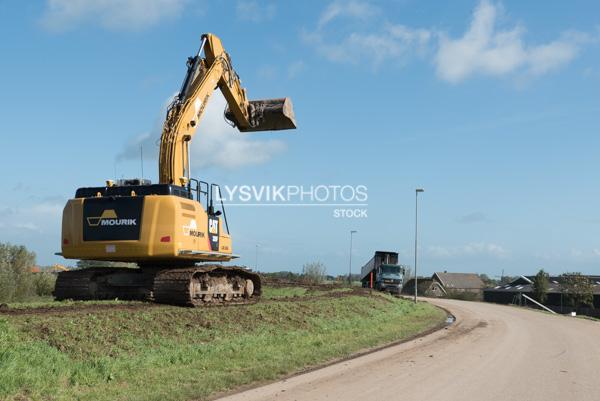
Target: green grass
288, 292
282, 292
171, 353
49, 302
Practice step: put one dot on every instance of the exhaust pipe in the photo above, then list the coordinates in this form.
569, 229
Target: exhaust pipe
268, 115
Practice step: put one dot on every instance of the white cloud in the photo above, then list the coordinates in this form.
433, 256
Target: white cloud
566, 257
267, 72
216, 143
387, 42
253, 11
145, 144
28, 226
391, 42
354, 9
482, 50
48, 209
148, 141
34, 216
485, 50
583, 254
62, 15
470, 249
6, 211
553, 55
474, 217
295, 68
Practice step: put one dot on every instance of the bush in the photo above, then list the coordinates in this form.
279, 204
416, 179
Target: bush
44, 284
463, 295
578, 290
7, 286
16, 280
540, 286
313, 273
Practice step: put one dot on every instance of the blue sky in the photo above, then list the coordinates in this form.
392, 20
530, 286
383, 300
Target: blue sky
492, 107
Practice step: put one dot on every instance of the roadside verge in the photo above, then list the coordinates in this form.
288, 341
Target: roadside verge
148, 352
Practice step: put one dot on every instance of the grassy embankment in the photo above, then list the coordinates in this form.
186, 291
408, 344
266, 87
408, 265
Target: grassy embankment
133, 351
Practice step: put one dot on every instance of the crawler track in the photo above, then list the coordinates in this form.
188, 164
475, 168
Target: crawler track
103, 283
75, 285
206, 284
189, 286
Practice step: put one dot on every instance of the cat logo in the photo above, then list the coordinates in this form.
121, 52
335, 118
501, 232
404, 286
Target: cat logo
213, 226
213, 232
109, 218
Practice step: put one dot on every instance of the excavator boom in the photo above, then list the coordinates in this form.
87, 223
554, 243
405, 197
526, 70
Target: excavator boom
204, 75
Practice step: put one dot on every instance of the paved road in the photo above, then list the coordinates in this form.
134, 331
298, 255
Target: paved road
491, 353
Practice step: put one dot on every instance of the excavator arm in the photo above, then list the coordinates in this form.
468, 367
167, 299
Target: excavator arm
204, 75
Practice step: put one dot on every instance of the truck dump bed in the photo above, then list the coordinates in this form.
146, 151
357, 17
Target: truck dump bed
380, 257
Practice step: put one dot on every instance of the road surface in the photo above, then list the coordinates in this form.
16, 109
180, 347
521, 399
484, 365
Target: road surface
492, 352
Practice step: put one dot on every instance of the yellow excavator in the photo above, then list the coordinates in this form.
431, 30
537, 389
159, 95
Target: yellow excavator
167, 228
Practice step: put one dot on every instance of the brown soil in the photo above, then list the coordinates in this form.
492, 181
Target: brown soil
80, 308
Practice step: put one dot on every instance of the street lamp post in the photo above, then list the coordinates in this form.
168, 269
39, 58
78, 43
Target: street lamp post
256, 259
352, 232
416, 233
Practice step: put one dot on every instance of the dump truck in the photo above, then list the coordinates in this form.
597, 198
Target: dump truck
383, 272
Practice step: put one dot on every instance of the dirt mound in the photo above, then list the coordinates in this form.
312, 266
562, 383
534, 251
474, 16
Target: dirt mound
323, 291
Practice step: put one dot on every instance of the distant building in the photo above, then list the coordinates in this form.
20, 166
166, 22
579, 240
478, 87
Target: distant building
444, 284
509, 293
423, 284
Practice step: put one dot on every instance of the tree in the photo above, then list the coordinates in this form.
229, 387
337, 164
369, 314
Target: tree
16, 282
507, 279
578, 290
44, 283
487, 280
540, 286
314, 272
408, 273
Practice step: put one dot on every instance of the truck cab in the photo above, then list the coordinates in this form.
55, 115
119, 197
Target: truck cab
390, 278
383, 272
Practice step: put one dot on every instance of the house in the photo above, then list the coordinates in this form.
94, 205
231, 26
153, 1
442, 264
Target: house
444, 284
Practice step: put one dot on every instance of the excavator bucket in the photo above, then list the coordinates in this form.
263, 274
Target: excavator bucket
271, 115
